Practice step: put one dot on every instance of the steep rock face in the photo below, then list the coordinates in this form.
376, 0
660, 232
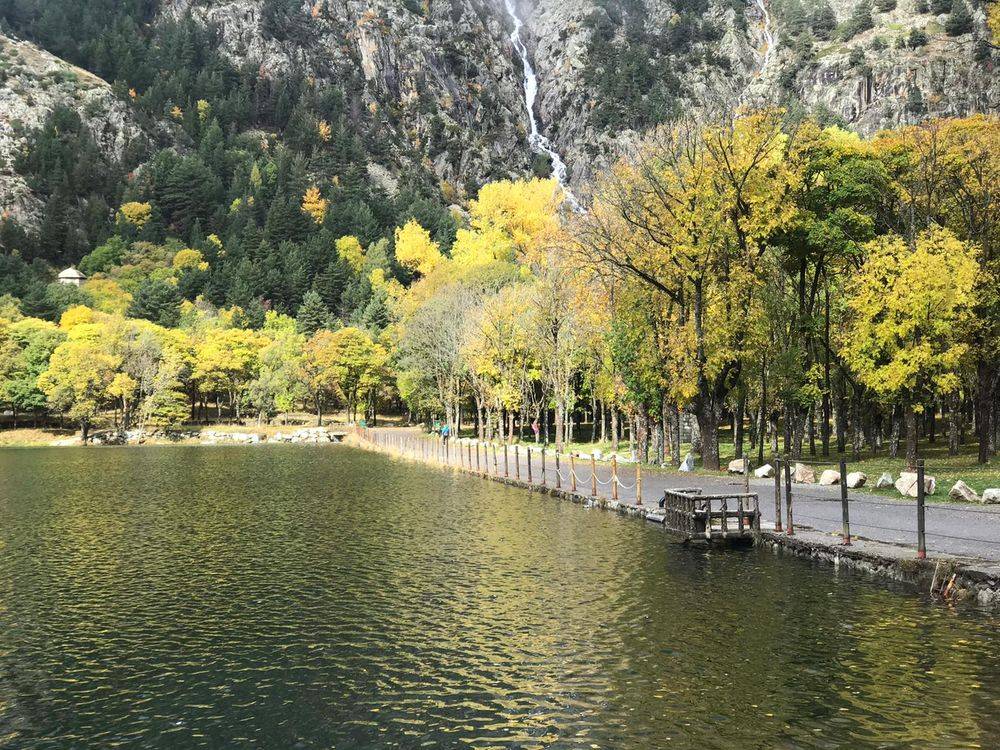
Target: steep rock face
685, 56
32, 84
877, 79
441, 72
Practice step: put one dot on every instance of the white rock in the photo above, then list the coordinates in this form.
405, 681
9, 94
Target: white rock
961, 491
884, 481
764, 472
856, 479
829, 477
804, 474
907, 484
737, 466
991, 496
687, 464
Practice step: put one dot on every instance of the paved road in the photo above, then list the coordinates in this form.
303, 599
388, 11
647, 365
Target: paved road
971, 531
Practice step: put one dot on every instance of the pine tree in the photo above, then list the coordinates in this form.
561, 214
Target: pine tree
960, 20
157, 301
313, 314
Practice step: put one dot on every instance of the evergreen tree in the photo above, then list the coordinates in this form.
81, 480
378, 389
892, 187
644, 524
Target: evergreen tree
960, 20
158, 302
313, 314
824, 20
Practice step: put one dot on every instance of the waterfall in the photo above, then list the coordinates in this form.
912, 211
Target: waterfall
538, 142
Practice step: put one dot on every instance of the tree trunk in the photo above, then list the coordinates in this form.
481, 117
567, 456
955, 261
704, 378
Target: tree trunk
741, 406
910, 417
984, 409
614, 429
642, 438
707, 415
954, 422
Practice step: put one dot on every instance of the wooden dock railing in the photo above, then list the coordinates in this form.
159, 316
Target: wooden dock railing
711, 517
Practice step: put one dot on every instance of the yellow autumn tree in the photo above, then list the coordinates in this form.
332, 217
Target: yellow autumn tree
415, 249
134, 213
350, 251
314, 204
907, 305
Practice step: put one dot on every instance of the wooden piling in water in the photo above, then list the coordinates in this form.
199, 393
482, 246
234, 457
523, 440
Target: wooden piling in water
844, 510
777, 494
593, 476
790, 526
572, 472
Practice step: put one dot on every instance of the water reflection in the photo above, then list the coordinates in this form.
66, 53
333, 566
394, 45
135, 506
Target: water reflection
321, 597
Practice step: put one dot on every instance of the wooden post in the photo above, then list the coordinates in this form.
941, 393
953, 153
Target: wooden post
478, 469
638, 483
558, 475
496, 468
528, 450
593, 476
845, 512
614, 477
544, 480
506, 462
921, 538
790, 527
777, 494
572, 472
517, 461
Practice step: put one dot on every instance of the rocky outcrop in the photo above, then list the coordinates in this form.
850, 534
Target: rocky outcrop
32, 84
878, 79
440, 77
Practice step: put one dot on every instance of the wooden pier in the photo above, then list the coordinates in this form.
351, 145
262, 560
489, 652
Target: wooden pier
709, 518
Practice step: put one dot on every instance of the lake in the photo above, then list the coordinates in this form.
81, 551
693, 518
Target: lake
324, 597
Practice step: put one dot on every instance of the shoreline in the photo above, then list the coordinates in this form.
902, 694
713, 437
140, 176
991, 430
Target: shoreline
975, 581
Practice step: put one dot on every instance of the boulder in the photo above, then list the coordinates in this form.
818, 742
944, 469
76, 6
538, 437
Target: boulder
907, 484
961, 491
804, 474
884, 481
856, 479
764, 472
991, 496
738, 466
687, 464
829, 477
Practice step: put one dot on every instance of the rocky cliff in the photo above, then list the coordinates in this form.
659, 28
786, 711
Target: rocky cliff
32, 84
440, 74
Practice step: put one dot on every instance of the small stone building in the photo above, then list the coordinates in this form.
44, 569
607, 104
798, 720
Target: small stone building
72, 276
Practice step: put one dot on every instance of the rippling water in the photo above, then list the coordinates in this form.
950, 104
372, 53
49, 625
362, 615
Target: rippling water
294, 597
